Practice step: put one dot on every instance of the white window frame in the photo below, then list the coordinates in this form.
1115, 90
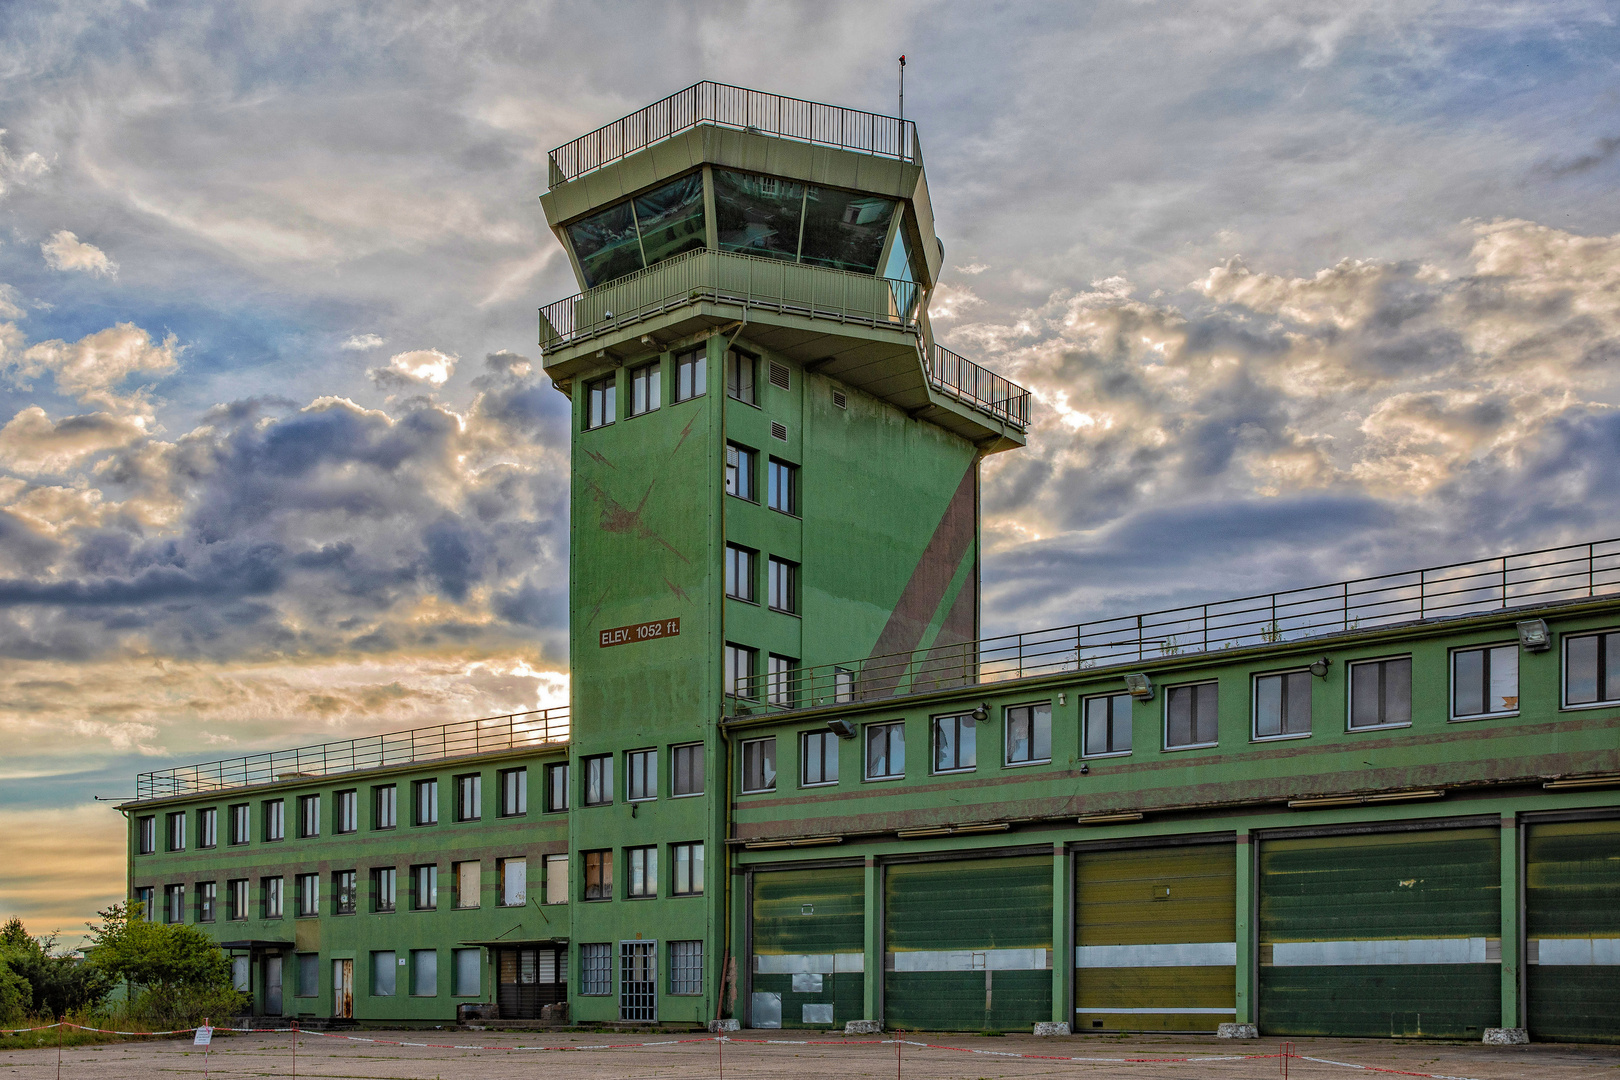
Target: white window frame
1006, 736
742, 753
1254, 705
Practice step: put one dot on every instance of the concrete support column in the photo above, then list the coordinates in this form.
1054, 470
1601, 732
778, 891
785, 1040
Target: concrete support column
1512, 887
873, 962
1248, 951
1062, 936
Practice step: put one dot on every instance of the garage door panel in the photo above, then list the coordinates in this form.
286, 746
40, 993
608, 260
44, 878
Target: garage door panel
1572, 930
809, 930
1154, 998
1444, 1000
967, 1001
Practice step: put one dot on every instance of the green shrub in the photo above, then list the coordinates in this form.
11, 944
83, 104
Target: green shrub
177, 973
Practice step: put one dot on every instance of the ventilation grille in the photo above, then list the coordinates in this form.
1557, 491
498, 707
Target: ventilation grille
778, 431
840, 400
779, 376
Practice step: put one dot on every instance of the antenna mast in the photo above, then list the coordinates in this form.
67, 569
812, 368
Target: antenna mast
902, 87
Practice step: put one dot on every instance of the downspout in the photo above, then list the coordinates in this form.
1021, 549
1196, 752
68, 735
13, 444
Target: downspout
725, 736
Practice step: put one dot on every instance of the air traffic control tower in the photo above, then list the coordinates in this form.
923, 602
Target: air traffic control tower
775, 467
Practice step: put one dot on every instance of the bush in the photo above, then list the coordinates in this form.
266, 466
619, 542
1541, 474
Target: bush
55, 983
16, 996
177, 972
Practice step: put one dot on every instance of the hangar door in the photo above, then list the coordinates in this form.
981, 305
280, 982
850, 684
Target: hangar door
1572, 930
809, 933
1382, 934
1155, 938
968, 944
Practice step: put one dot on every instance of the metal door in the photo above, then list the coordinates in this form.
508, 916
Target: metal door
968, 944
1154, 935
343, 989
638, 980
1572, 930
526, 980
1381, 935
809, 947
272, 985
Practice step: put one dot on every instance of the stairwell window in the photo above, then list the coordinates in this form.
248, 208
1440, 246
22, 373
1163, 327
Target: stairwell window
740, 471
1381, 693
1591, 669
690, 378
741, 368
740, 572
1189, 716
783, 587
1107, 720
1029, 734
1485, 682
646, 383
759, 765
1282, 705
885, 751
601, 402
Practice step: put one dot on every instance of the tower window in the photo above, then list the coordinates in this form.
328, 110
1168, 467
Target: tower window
740, 573
740, 368
784, 585
783, 485
740, 471
645, 386
690, 375
601, 402
739, 673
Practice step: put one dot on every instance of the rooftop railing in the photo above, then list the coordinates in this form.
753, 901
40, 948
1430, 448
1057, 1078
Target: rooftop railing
734, 107
515, 731
1549, 575
979, 386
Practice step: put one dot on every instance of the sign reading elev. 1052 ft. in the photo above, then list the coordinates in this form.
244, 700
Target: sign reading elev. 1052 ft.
647, 631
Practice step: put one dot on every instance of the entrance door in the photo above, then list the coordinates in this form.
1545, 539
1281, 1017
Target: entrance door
272, 985
638, 980
343, 989
526, 980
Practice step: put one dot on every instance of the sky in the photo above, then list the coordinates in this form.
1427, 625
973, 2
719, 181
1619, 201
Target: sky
1303, 290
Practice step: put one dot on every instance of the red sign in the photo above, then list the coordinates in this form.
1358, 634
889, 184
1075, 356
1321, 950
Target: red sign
647, 631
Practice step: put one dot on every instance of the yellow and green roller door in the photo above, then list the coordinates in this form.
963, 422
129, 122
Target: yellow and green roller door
1572, 930
968, 944
1154, 933
1388, 934
808, 947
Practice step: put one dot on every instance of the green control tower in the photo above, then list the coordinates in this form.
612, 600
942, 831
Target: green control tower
774, 467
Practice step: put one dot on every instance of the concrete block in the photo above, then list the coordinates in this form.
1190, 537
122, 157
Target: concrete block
863, 1027
1237, 1031
1049, 1027
725, 1025
1506, 1037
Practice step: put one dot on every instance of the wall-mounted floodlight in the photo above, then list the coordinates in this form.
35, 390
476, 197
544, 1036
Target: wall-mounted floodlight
1534, 635
841, 728
1140, 686
1320, 667
982, 713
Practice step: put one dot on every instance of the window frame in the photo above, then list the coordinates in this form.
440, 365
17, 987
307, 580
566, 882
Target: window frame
1601, 675
647, 854
695, 364
1007, 761
174, 831
1350, 692
146, 834
740, 361
307, 896
772, 464
740, 685
1487, 648
207, 901
382, 904
554, 890
742, 570
425, 813
238, 899
790, 571
513, 782
691, 749
694, 868
377, 803
779, 682
309, 816
648, 375
599, 860
1130, 723
962, 721
686, 968
556, 794
639, 760
743, 749
1169, 692
822, 734
273, 896
345, 902
1254, 704
866, 752
420, 875
346, 800
469, 806
503, 867
595, 969
207, 828
603, 766
239, 814
743, 470
458, 895
274, 816
603, 390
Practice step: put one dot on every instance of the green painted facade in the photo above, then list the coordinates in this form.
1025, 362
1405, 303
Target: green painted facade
915, 858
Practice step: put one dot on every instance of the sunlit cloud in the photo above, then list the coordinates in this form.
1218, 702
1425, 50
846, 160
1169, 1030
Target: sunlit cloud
65, 251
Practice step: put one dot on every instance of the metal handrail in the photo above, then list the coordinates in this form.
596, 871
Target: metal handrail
978, 385
514, 731
739, 108
1544, 576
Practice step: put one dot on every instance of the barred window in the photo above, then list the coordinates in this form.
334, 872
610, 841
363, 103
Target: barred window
596, 969
686, 967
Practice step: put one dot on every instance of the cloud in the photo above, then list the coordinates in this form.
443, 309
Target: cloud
65, 251
362, 343
19, 170
414, 370
94, 368
32, 443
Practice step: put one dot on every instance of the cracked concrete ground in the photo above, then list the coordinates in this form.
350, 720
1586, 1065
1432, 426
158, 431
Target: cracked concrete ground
952, 1057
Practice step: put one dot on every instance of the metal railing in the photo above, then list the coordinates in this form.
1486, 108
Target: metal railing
728, 277
980, 387
515, 731
1549, 575
734, 107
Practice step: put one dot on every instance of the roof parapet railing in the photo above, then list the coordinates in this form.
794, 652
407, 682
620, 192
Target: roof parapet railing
977, 385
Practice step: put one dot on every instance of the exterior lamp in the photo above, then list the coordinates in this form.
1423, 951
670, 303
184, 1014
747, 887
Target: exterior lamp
982, 713
1140, 686
841, 728
1320, 668
1534, 635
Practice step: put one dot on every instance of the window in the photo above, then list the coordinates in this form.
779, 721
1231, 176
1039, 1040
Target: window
308, 890
759, 765
146, 834
955, 739
346, 812
641, 775
1381, 693
144, 896
643, 866
425, 887
689, 375
309, 974
556, 879
383, 896
885, 751
272, 896
466, 971
1107, 725
686, 769
208, 828
344, 892
843, 686
1592, 669
596, 969
1485, 682
238, 899
207, 900
687, 876
739, 471
1029, 734
818, 758
601, 402
384, 806
779, 688
514, 792
424, 973
557, 787
783, 592
177, 831
740, 573
426, 794
241, 819
469, 797
469, 879
275, 819
309, 816
740, 670
174, 903
645, 384
241, 975
740, 369
1189, 716
686, 967
782, 487
1282, 705
384, 970
598, 779
598, 875
514, 881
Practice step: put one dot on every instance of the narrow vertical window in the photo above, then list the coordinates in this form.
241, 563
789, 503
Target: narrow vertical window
207, 900
468, 880
469, 797
1485, 682
782, 487
384, 806
686, 878
779, 681
425, 887
598, 874
739, 471
1381, 693
145, 897
207, 828
1282, 705
1029, 734
759, 765
843, 686
818, 755
885, 751
275, 819
308, 888
1107, 725
955, 743
739, 573
346, 812
514, 881
514, 792
601, 402
272, 891
557, 879
426, 794
740, 372
309, 816
739, 670
686, 769
784, 585
177, 831
557, 787
641, 775
646, 382
238, 899
690, 381
174, 903
345, 894
598, 779
1189, 716
241, 820
383, 889
146, 834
